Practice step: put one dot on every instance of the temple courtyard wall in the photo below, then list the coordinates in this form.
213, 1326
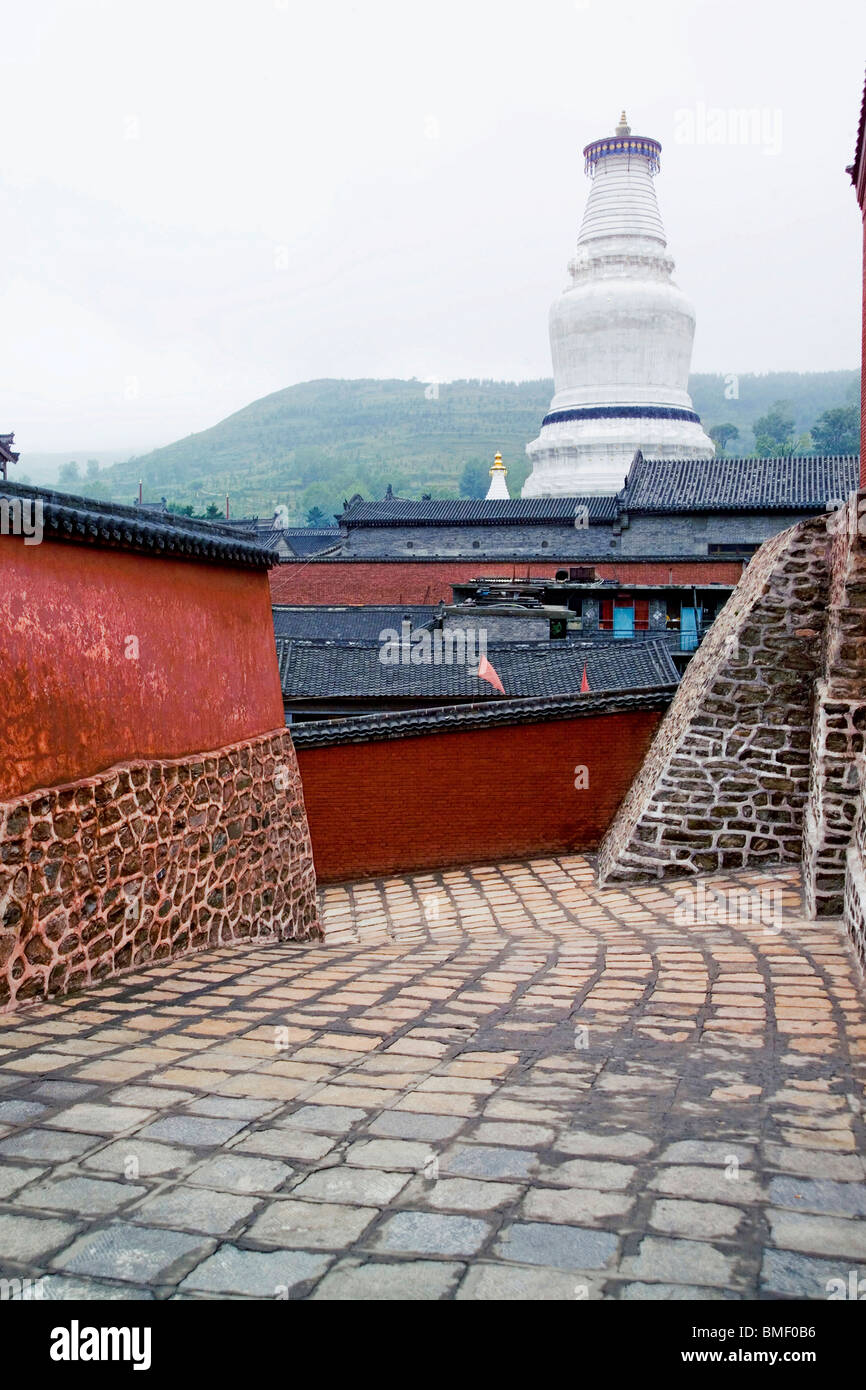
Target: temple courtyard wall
440, 788
150, 799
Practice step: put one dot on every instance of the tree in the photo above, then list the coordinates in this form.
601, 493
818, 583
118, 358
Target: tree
213, 512
838, 431
721, 435
774, 432
68, 473
474, 480
93, 468
316, 517
319, 497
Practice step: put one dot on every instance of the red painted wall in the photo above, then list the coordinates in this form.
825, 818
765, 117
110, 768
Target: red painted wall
467, 797
428, 581
73, 702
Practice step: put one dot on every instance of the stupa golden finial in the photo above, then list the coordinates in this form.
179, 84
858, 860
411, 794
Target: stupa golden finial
498, 464
623, 128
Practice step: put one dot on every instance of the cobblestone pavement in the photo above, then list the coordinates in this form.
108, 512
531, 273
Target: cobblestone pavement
490, 1083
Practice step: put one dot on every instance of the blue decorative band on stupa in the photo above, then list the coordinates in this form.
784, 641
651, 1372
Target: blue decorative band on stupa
624, 146
621, 412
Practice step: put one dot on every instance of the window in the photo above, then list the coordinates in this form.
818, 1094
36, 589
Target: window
638, 610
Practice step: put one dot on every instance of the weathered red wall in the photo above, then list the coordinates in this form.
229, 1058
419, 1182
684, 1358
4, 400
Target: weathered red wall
73, 702
497, 793
428, 581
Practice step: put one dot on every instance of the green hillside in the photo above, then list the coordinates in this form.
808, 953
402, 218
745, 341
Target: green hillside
313, 444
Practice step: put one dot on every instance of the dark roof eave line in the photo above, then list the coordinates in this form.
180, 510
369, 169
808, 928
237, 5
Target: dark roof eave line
369, 728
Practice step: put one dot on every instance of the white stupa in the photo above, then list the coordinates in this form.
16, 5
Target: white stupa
621, 337
498, 486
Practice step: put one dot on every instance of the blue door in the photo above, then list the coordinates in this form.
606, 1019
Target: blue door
690, 626
623, 621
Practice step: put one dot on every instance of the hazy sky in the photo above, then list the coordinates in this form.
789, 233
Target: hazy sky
207, 200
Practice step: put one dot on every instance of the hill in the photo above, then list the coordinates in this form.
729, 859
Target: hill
320, 441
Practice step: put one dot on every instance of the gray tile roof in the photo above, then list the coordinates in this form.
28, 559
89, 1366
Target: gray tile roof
469, 511
311, 540
88, 522
324, 531
263, 533
804, 483
299, 540
344, 623
376, 728
311, 670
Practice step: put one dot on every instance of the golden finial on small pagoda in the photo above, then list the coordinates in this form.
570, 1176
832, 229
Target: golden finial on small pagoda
623, 128
498, 464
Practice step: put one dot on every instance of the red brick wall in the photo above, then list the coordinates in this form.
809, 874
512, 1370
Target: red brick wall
78, 696
428, 581
464, 797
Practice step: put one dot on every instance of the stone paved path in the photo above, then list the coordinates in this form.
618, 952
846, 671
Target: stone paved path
491, 1083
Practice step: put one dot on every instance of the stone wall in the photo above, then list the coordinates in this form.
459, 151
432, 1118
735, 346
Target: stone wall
761, 756
726, 781
839, 715
368, 542
855, 872
678, 533
150, 860
694, 533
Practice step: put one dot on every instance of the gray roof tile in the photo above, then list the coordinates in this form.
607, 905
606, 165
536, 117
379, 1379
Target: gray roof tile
339, 670
346, 623
394, 724
469, 511
805, 483
88, 522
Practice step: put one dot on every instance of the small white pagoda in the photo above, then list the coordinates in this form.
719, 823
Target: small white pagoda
498, 486
621, 337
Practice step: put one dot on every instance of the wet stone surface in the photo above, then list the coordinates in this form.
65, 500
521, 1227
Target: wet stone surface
491, 1083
